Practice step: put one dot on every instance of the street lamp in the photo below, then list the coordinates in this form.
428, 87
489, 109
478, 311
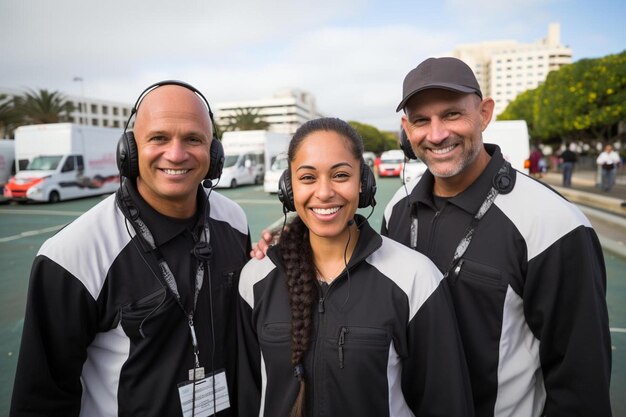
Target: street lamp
83, 106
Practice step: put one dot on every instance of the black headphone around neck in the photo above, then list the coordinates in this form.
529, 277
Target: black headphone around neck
405, 145
128, 158
366, 195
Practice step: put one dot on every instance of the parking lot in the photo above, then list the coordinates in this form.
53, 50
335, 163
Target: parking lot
23, 228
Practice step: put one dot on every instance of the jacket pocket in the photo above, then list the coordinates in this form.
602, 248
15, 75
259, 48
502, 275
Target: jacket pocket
475, 273
135, 315
276, 332
366, 343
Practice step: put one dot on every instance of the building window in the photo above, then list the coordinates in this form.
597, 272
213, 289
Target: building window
80, 107
115, 111
116, 123
94, 122
105, 123
105, 109
125, 112
94, 108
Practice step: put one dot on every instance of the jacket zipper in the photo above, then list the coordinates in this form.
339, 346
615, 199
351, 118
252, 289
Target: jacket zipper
341, 342
318, 348
433, 230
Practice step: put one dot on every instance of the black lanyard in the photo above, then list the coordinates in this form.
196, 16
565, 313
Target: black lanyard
469, 231
168, 276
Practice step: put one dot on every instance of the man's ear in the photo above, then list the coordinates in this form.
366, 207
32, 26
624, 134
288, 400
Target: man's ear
486, 111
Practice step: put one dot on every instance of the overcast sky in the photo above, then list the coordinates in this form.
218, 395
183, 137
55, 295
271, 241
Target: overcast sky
351, 54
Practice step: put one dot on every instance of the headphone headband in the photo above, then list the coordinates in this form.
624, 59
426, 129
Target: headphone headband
179, 83
127, 156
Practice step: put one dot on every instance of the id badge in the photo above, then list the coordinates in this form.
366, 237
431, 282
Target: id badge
206, 396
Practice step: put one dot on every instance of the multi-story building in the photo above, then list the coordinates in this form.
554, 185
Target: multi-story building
90, 111
285, 111
506, 68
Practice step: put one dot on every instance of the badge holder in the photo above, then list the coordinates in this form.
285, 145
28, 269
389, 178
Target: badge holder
203, 395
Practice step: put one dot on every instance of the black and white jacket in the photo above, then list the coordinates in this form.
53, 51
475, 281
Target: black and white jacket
529, 293
102, 334
385, 342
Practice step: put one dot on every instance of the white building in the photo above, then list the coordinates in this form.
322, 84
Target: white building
506, 68
90, 111
285, 111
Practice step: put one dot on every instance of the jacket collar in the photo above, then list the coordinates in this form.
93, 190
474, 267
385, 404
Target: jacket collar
473, 196
162, 228
369, 241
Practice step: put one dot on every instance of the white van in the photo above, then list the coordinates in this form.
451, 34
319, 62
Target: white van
7, 161
60, 161
241, 169
272, 175
513, 139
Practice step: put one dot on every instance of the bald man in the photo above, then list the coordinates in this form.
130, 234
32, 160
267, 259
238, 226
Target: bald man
130, 308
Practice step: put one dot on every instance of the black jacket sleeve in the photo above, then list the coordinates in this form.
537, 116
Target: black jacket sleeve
248, 363
435, 378
565, 306
60, 322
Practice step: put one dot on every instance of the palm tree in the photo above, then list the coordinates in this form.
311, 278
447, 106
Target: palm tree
246, 118
43, 106
9, 117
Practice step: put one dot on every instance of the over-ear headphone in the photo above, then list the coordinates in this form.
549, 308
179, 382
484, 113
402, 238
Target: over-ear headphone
127, 156
405, 145
366, 195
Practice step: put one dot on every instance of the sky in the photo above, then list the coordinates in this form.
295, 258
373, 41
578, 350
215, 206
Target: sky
352, 55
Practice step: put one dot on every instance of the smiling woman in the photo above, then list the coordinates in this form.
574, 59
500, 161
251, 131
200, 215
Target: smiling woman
372, 339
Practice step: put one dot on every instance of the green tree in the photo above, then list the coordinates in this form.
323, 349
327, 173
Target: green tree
522, 108
9, 117
43, 106
373, 139
246, 118
581, 101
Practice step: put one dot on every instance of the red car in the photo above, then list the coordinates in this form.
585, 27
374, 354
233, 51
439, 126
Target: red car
391, 163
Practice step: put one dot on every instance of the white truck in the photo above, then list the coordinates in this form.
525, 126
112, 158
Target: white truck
62, 161
514, 141
7, 161
248, 153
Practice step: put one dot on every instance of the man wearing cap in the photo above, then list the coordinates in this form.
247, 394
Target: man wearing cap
528, 281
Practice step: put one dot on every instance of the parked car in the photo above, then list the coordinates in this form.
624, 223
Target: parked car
369, 158
413, 169
391, 163
272, 175
242, 168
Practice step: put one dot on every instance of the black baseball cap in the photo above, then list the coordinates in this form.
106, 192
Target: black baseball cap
447, 73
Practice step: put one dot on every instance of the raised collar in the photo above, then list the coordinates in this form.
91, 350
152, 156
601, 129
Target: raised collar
369, 241
473, 196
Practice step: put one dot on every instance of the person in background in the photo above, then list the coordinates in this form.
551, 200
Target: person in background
568, 159
133, 303
609, 163
338, 320
528, 281
536, 162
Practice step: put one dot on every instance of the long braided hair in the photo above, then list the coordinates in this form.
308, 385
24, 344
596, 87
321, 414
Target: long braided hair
297, 257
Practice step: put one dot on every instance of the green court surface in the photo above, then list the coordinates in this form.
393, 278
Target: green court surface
23, 228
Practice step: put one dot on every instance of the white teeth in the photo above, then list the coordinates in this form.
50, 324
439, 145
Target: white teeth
175, 171
326, 211
442, 150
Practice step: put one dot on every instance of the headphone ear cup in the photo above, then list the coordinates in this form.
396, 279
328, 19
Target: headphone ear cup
285, 192
405, 145
127, 158
217, 159
368, 187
